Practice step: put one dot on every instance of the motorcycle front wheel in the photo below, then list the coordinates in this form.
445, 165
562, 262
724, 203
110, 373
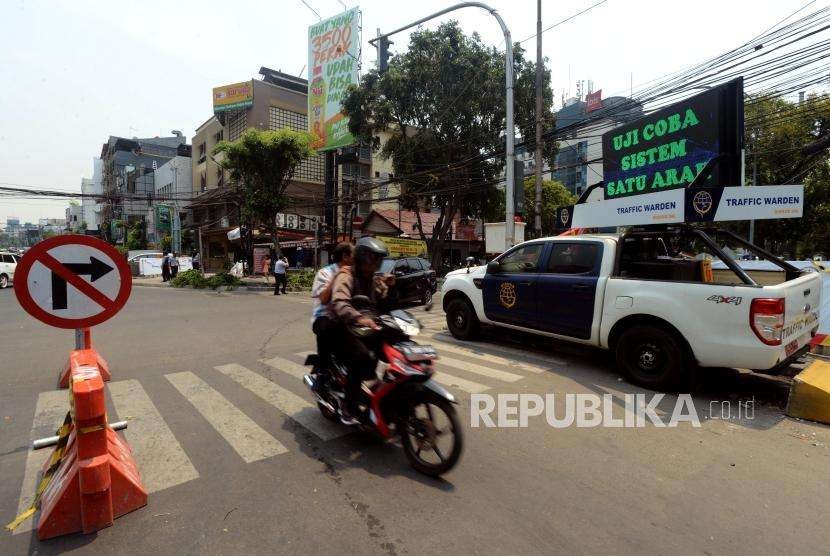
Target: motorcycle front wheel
431, 435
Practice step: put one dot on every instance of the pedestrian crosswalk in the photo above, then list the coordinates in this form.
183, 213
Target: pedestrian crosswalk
164, 460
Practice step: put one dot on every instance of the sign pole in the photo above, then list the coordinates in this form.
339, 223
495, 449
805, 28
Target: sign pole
79, 338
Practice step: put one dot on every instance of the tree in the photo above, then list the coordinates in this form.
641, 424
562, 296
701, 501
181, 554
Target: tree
261, 164
442, 104
554, 195
786, 141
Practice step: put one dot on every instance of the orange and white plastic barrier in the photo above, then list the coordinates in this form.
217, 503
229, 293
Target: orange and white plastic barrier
86, 356
92, 477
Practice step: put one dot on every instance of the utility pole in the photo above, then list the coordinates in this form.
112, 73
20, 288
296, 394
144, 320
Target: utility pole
510, 139
538, 157
754, 182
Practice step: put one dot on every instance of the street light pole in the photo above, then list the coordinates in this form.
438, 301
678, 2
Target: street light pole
510, 142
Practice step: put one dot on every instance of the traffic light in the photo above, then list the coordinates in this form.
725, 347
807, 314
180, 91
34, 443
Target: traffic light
383, 53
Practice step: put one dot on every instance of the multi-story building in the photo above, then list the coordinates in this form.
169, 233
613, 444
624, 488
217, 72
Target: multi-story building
125, 165
579, 158
173, 182
279, 101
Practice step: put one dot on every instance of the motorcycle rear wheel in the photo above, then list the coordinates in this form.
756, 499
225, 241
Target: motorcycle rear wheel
421, 433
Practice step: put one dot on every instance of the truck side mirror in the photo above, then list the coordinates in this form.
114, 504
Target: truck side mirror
493, 267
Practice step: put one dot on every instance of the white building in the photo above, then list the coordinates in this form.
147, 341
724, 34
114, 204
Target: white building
91, 207
74, 217
173, 188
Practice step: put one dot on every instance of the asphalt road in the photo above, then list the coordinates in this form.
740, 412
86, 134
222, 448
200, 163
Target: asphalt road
230, 472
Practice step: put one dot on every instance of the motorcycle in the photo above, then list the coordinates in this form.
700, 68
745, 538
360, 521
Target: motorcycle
405, 401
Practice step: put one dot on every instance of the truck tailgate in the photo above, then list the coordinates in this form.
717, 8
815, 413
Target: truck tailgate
802, 304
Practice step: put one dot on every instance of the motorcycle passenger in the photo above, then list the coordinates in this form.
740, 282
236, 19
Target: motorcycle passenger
321, 323
349, 349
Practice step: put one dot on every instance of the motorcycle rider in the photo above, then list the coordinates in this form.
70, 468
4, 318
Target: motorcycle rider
321, 291
361, 279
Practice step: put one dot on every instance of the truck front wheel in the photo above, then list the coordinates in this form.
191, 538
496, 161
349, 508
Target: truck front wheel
462, 320
651, 357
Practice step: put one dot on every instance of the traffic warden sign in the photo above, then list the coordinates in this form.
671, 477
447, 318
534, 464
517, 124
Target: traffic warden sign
72, 281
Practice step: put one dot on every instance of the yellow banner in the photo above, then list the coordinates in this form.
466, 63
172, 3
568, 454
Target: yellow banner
402, 247
230, 97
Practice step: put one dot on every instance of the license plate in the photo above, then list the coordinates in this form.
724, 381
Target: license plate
791, 348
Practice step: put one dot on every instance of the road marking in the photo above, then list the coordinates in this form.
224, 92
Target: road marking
286, 366
460, 383
50, 411
250, 441
489, 358
480, 369
444, 337
161, 460
292, 405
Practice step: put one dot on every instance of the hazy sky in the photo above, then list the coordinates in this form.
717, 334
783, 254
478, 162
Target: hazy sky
74, 73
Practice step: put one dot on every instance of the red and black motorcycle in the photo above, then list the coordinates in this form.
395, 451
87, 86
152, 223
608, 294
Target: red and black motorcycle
404, 401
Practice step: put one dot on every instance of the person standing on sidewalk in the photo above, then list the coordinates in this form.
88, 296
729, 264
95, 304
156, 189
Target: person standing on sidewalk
165, 267
280, 277
174, 265
197, 261
266, 267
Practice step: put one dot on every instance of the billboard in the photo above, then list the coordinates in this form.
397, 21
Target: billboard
669, 147
697, 204
163, 220
403, 247
593, 101
333, 57
231, 97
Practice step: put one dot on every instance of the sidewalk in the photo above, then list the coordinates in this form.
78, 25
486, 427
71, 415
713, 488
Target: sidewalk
249, 283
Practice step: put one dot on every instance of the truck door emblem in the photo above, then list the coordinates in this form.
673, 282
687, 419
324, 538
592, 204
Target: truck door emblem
702, 202
564, 216
507, 295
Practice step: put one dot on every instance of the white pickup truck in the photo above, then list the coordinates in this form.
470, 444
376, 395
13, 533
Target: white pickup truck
650, 296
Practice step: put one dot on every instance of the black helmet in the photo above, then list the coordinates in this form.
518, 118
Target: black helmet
371, 246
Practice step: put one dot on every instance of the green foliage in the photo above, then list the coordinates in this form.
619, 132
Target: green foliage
442, 105
778, 130
554, 195
189, 278
224, 279
166, 243
136, 238
300, 280
196, 279
260, 164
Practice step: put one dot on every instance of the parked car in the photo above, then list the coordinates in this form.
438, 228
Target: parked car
649, 297
414, 277
8, 263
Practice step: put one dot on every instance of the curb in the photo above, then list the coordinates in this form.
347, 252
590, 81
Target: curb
220, 289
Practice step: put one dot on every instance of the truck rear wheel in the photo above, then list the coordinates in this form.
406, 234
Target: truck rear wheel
462, 320
652, 357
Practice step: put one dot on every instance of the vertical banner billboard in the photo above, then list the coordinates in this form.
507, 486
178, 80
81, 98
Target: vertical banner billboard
333, 56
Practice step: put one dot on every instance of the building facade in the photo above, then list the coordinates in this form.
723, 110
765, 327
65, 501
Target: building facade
127, 183
579, 158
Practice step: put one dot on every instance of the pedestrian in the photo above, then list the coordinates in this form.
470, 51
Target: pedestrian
266, 267
174, 265
165, 268
197, 261
280, 277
